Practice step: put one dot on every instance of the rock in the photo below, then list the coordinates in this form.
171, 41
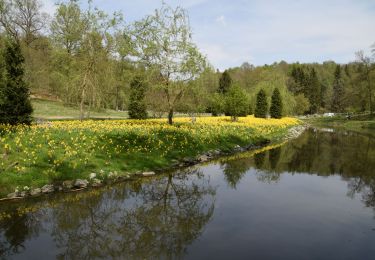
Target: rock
23, 194
48, 188
13, 195
148, 174
67, 185
36, 192
203, 158
96, 183
81, 184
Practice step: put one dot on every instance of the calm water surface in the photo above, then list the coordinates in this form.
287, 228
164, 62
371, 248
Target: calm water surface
311, 198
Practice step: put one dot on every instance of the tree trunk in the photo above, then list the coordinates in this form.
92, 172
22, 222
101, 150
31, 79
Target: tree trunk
82, 104
170, 116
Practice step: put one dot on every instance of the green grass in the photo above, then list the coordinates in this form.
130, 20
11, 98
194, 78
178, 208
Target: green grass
47, 109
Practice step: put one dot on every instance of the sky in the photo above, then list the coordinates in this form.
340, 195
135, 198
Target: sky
230, 32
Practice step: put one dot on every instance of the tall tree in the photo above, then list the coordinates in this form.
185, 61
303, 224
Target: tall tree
314, 91
337, 104
68, 26
164, 46
276, 108
261, 105
365, 76
15, 106
137, 106
22, 19
225, 82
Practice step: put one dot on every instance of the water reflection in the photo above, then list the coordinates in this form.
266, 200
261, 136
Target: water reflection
153, 219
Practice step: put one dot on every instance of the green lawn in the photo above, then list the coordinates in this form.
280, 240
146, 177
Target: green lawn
46, 109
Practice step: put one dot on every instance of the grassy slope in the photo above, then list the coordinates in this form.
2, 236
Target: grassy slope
46, 109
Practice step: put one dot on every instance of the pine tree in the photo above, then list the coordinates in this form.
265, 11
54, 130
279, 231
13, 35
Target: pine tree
137, 105
15, 106
314, 92
338, 92
261, 105
276, 104
225, 83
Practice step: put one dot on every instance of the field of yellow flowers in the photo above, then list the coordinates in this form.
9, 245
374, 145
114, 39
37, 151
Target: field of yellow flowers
67, 150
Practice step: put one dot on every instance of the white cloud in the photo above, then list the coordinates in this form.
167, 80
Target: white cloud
221, 20
48, 6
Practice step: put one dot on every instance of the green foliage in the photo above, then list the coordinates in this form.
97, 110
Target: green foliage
236, 103
216, 104
313, 92
137, 106
225, 83
276, 108
261, 105
15, 106
337, 104
302, 104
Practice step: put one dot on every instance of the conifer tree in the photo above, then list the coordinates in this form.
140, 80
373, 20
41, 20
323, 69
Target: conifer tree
276, 104
15, 106
261, 105
338, 92
314, 92
137, 104
225, 82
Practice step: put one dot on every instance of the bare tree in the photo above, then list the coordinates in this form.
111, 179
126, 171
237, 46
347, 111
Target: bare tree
22, 19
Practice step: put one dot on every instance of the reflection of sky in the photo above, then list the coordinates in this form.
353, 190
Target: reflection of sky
232, 32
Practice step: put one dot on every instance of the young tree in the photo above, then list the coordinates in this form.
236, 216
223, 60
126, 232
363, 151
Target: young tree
164, 46
261, 105
15, 106
337, 104
137, 105
236, 103
225, 82
276, 108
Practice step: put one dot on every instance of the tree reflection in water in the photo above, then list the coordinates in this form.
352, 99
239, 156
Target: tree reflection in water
157, 218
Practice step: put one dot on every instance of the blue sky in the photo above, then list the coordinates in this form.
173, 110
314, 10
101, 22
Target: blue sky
262, 32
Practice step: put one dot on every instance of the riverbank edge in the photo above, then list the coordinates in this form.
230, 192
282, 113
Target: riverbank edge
93, 182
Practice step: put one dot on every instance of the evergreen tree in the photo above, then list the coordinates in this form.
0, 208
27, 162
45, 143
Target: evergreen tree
137, 104
15, 106
261, 105
314, 92
338, 92
236, 103
224, 83
276, 104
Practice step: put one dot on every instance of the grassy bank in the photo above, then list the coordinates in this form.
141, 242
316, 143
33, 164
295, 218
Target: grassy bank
362, 124
68, 150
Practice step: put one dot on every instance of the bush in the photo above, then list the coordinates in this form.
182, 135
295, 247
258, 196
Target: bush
261, 105
276, 104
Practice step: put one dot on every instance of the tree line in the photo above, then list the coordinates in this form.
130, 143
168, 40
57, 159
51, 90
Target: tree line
93, 60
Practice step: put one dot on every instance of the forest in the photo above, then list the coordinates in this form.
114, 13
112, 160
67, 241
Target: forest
92, 60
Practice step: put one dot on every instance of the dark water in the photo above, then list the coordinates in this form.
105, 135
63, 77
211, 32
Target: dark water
312, 198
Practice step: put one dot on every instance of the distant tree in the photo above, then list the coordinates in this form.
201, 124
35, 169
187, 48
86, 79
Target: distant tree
22, 19
314, 91
261, 105
216, 104
137, 105
236, 103
365, 76
276, 104
15, 106
302, 104
337, 104
225, 82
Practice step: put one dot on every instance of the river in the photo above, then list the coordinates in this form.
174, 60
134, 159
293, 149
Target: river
310, 198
